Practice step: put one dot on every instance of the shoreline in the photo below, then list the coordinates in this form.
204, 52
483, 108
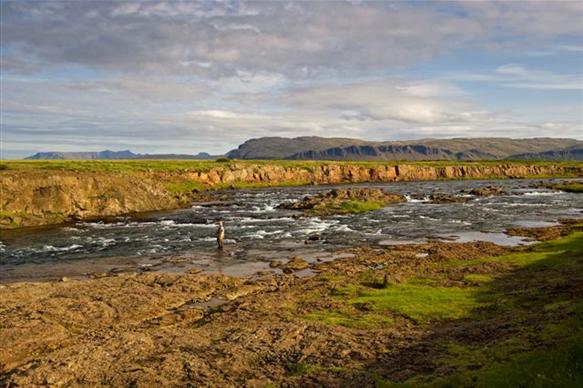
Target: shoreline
178, 265
241, 258
146, 327
52, 193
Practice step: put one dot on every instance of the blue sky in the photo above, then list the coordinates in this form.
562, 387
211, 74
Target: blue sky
185, 76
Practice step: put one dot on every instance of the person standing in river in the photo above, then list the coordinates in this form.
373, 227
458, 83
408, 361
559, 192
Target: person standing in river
221, 235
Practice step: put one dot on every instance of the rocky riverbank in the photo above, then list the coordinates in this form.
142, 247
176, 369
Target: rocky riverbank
45, 195
417, 313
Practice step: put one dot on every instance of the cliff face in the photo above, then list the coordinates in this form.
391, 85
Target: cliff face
38, 198
41, 197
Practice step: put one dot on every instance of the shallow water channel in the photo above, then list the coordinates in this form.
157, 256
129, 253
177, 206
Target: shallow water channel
258, 232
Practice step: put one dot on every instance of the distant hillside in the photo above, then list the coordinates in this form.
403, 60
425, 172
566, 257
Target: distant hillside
319, 148
82, 155
571, 153
114, 155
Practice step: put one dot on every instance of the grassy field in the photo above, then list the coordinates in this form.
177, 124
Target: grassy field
128, 166
526, 319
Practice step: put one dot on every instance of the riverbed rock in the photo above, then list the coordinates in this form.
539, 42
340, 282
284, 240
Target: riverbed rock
244, 290
446, 198
192, 314
297, 264
176, 260
488, 191
331, 202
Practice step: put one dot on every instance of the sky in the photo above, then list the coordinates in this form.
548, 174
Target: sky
192, 76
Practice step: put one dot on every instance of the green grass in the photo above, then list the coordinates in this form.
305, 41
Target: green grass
560, 366
479, 278
206, 165
539, 301
350, 317
535, 299
423, 303
574, 187
419, 300
355, 206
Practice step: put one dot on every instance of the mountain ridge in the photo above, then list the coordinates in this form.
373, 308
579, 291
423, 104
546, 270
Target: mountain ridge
320, 148
339, 148
114, 155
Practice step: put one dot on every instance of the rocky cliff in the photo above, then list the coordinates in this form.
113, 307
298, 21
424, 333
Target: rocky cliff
40, 197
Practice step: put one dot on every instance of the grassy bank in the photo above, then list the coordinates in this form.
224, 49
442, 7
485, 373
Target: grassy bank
129, 166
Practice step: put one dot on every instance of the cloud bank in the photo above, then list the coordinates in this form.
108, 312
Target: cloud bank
183, 76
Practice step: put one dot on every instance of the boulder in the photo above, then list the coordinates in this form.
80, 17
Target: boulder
488, 191
297, 264
331, 202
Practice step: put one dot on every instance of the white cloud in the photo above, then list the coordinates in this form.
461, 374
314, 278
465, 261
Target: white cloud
573, 48
519, 76
166, 37
199, 76
388, 100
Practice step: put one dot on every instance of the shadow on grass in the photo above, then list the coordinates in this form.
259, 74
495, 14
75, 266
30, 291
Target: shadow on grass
529, 333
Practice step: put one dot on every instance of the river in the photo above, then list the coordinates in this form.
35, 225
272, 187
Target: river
258, 232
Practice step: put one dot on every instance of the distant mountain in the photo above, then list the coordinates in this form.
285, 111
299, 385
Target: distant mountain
199, 156
320, 148
82, 155
114, 155
570, 153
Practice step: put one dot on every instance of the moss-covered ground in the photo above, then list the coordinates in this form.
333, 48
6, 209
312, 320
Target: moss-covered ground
513, 320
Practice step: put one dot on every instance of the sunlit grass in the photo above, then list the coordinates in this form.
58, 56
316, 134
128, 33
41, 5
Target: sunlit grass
355, 206
206, 165
423, 303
